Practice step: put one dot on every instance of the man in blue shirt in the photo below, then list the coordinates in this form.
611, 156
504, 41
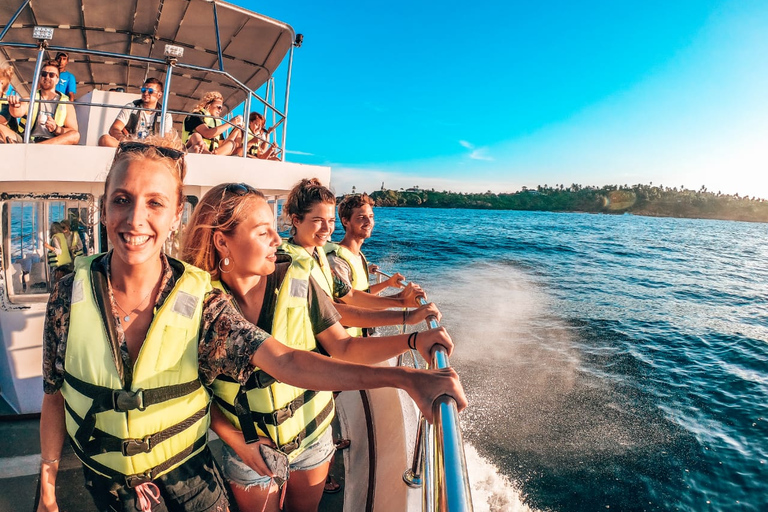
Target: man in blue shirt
67, 84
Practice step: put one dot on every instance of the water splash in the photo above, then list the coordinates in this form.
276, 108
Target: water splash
491, 491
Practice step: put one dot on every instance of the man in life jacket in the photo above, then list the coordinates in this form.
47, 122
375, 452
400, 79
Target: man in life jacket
204, 131
131, 121
53, 122
347, 260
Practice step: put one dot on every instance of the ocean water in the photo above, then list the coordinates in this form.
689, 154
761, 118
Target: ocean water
611, 362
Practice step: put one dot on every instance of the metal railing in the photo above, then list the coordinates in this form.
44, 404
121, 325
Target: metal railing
168, 64
439, 465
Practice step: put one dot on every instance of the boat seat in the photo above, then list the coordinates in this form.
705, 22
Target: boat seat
38, 278
15, 274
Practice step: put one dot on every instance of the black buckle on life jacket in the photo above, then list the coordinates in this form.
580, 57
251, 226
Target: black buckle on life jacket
133, 447
292, 445
285, 413
132, 481
123, 400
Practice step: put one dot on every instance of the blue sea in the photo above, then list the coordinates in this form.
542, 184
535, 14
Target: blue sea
612, 362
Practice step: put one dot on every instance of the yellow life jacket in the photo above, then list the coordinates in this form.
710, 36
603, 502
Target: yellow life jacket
210, 123
359, 274
260, 146
320, 270
58, 260
133, 432
292, 417
59, 115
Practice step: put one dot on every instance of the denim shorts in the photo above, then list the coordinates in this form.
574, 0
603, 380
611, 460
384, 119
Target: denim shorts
240, 474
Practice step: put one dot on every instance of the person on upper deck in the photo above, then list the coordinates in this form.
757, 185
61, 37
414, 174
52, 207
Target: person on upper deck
52, 123
67, 83
205, 134
310, 211
132, 394
9, 128
132, 122
346, 259
258, 143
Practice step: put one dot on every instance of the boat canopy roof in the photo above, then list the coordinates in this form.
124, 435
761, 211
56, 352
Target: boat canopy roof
220, 41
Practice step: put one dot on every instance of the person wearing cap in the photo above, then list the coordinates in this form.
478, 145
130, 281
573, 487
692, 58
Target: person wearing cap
67, 84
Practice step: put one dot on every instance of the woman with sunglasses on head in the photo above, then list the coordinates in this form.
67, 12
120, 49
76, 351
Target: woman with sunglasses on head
204, 131
231, 235
132, 339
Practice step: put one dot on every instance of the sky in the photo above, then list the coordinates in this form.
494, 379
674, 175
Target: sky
496, 95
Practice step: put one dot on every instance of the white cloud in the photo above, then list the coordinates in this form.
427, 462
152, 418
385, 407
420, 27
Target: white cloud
294, 152
476, 153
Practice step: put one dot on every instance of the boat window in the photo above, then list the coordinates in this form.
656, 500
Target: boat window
28, 225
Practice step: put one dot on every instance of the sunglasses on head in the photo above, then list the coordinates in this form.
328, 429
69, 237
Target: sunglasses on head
132, 146
148, 89
48, 74
239, 189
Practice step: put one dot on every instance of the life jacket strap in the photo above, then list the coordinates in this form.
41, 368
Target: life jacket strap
258, 380
121, 400
131, 481
308, 430
104, 442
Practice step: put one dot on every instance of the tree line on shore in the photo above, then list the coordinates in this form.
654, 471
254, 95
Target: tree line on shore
658, 201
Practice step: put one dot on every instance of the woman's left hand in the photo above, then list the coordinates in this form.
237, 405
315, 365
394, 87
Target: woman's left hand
411, 294
252, 456
427, 341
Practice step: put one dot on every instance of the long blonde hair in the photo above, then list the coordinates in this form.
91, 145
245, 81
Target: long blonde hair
222, 208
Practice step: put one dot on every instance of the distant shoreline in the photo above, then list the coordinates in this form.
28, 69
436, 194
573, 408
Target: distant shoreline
644, 200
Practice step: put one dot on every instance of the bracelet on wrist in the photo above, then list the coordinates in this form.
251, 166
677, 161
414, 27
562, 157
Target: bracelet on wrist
412, 340
48, 461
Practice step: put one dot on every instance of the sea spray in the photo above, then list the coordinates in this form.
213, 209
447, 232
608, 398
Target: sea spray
491, 491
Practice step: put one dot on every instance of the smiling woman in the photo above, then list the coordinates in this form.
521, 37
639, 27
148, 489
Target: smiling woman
133, 394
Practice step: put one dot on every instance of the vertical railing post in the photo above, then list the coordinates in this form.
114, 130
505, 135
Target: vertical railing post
287, 97
33, 92
247, 124
413, 475
166, 94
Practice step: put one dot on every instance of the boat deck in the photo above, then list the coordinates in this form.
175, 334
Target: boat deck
20, 459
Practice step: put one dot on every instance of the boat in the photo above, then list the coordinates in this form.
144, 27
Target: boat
192, 46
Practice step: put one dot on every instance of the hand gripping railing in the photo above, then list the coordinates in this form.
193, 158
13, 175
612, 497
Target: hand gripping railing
439, 465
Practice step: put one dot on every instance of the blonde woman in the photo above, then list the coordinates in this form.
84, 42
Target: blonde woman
204, 131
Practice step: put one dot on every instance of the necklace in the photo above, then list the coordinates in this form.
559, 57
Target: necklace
127, 317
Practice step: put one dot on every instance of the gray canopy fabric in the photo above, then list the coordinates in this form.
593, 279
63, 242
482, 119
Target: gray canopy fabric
252, 45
